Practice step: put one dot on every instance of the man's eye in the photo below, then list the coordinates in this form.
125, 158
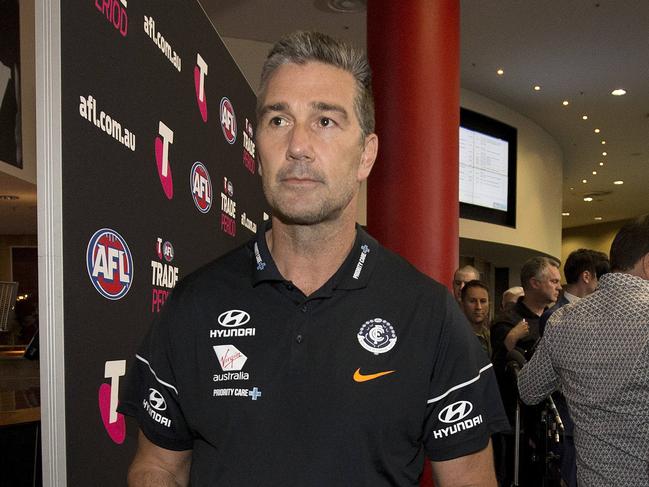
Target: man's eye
277, 121
326, 122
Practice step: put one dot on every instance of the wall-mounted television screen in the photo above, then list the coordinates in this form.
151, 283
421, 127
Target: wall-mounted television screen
487, 169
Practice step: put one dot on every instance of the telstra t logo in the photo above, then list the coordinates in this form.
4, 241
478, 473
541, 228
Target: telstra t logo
200, 71
162, 159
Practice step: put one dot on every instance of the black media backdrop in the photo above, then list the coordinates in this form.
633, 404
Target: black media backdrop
126, 56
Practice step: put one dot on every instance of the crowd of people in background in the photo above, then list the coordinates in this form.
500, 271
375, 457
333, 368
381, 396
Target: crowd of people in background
586, 385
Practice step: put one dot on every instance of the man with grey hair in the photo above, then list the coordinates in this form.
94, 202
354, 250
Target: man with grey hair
517, 327
596, 351
312, 356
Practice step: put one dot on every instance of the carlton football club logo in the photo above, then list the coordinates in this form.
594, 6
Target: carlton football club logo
228, 121
109, 263
201, 187
200, 71
162, 158
377, 336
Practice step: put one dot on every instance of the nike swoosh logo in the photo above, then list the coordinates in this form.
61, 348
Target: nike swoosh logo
358, 377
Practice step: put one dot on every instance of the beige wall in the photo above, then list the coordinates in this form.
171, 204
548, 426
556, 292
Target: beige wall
8, 241
538, 185
596, 237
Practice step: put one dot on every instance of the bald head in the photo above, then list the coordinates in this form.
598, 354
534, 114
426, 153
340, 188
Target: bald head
461, 277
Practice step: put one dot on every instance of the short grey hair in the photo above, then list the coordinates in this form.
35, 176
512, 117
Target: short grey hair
535, 268
301, 47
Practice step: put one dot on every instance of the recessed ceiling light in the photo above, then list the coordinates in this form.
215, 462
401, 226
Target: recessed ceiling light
565, 213
618, 182
572, 189
603, 142
618, 92
537, 88
584, 181
588, 199
500, 71
8, 197
594, 173
598, 218
604, 154
601, 163
597, 131
584, 117
565, 103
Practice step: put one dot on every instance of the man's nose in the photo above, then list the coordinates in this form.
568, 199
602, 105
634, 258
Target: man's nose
300, 144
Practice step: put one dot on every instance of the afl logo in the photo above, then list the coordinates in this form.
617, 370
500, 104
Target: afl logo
109, 264
377, 336
455, 412
233, 318
228, 121
156, 400
201, 187
168, 251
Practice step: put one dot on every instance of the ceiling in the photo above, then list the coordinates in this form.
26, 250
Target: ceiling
577, 50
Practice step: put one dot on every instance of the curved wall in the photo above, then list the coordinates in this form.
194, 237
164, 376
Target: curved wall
538, 184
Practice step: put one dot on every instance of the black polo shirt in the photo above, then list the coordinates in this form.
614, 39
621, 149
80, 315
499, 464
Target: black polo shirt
348, 386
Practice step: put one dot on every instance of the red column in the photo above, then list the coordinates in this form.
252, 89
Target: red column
412, 196
412, 200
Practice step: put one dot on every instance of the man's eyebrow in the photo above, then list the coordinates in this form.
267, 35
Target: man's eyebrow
273, 107
321, 106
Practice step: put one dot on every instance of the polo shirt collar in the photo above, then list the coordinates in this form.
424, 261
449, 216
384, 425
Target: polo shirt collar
354, 273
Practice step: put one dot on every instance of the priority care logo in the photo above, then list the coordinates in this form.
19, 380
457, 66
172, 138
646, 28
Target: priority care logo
249, 148
115, 12
228, 121
228, 209
201, 187
164, 276
109, 263
162, 159
200, 72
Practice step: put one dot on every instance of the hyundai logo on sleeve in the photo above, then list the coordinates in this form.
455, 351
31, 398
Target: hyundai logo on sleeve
156, 400
455, 412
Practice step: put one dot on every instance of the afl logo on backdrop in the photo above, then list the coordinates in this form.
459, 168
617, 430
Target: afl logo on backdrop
109, 263
201, 187
228, 121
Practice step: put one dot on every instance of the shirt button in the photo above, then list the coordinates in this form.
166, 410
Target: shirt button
304, 308
298, 338
289, 286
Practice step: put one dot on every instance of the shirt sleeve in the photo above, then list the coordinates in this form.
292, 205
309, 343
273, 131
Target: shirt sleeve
538, 379
464, 406
152, 395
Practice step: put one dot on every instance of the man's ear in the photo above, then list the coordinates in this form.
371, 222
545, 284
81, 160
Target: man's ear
586, 276
645, 266
368, 157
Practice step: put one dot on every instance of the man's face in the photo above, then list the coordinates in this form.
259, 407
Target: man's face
476, 305
311, 151
459, 280
549, 285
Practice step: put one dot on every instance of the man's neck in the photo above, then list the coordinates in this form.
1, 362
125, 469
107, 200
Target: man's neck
576, 290
308, 255
534, 305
